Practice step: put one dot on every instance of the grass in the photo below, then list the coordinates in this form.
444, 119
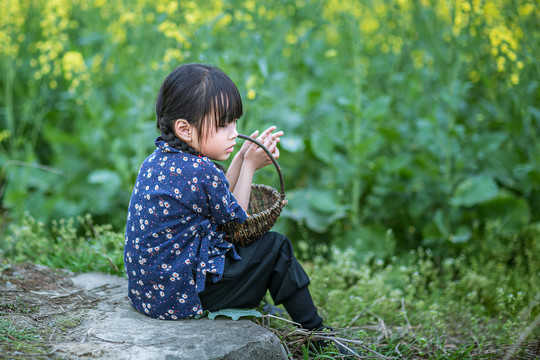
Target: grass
415, 308
21, 340
480, 304
12, 334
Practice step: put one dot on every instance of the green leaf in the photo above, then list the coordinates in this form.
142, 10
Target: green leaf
474, 190
369, 240
512, 212
322, 147
397, 162
105, 177
462, 235
439, 221
292, 143
317, 209
325, 202
501, 164
234, 314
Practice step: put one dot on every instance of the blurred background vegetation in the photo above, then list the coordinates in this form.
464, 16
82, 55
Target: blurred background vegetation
411, 155
408, 123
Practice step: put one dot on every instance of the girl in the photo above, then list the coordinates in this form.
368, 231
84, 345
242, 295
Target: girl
177, 262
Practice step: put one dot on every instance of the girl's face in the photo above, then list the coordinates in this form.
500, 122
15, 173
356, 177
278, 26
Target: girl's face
218, 144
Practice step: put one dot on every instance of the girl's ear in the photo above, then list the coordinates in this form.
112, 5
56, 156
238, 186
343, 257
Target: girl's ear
183, 130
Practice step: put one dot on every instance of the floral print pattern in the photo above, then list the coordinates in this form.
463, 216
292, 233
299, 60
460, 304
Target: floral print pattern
171, 242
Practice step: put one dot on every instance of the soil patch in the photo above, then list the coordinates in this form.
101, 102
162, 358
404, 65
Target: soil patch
39, 307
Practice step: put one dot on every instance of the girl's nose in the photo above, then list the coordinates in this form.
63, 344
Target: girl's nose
234, 133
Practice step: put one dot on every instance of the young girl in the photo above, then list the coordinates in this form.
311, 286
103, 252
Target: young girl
178, 264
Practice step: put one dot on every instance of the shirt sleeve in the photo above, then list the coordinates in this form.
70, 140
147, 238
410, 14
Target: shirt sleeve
222, 204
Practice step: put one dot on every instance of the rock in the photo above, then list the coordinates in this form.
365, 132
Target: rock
114, 330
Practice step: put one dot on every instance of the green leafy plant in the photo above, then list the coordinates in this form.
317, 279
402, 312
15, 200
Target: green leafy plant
78, 245
418, 304
415, 119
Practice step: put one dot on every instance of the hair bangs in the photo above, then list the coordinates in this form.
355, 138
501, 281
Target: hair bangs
226, 103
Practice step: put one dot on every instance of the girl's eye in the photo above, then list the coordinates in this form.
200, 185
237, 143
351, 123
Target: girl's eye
232, 123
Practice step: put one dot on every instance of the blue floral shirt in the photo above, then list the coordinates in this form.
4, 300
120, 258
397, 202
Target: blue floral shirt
171, 241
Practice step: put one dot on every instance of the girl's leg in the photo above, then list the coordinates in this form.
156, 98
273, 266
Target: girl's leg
267, 264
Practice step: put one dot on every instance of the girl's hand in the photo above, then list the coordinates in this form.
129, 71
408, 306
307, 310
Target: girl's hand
247, 144
258, 156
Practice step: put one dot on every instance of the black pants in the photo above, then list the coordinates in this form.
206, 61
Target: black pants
267, 264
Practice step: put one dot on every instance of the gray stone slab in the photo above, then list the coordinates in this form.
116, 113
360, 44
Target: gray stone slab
114, 330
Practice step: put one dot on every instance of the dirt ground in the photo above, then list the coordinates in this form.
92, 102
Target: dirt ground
44, 315
41, 310
39, 307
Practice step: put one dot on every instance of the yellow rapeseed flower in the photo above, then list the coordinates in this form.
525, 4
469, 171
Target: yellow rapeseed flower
381, 10
172, 56
291, 39
474, 76
418, 58
396, 44
224, 21
250, 5
171, 30
369, 25
251, 94
73, 61
57, 67
262, 11
4, 134
525, 10
46, 68
404, 5
514, 79
491, 13
443, 10
74, 69
199, 12
332, 35
172, 7
336, 8
501, 61
97, 62
127, 18
42, 59
330, 53
191, 18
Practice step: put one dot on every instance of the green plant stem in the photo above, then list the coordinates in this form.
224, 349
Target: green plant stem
9, 74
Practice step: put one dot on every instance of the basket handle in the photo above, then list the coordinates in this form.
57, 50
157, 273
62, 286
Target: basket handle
274, 161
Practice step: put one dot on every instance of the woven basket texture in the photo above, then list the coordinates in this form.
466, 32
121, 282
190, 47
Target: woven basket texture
265, 205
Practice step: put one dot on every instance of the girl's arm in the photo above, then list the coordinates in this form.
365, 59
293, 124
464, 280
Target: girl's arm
236, 164
242, 190
254, 158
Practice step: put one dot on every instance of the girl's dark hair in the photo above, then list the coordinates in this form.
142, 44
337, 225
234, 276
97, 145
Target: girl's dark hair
199, 94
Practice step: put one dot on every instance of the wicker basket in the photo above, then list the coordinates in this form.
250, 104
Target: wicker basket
265, 205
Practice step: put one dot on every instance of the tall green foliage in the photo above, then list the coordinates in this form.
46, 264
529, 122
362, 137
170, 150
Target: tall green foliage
407, 122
